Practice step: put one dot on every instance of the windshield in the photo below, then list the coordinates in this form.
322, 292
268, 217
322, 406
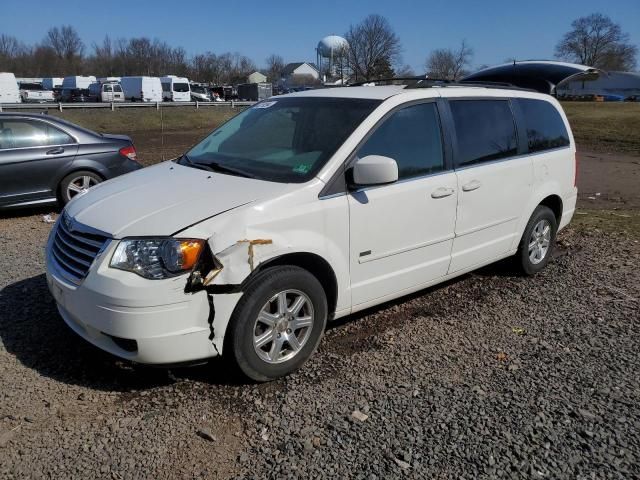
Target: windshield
197, 89
181, 87
285, 140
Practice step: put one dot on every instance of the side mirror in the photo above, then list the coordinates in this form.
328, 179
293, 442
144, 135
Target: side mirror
374, 170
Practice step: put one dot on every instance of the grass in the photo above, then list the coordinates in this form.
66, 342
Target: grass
149, 119
605, 127
598, 127
625, 222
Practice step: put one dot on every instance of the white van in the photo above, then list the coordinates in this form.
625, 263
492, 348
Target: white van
175, 89
142, 89
106, 91
9, 91
308, 207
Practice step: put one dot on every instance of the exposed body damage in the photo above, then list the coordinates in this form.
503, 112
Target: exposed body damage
240, 246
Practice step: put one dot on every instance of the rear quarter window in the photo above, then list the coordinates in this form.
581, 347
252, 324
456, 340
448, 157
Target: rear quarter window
545, 128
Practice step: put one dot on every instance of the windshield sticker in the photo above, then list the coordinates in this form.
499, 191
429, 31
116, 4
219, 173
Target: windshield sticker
301, 168
265, 104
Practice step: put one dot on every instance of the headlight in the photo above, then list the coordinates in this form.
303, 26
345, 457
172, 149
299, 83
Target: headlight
157, 258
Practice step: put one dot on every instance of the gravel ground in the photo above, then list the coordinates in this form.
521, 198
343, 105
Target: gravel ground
488, 376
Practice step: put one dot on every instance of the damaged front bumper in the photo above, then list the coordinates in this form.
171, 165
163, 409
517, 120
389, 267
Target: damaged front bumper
146, 321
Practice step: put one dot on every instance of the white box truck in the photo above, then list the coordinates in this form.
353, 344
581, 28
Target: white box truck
175, 89
142, 89
9, 91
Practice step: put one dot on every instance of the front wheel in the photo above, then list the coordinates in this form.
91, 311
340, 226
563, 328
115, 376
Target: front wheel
538, 241
278, 323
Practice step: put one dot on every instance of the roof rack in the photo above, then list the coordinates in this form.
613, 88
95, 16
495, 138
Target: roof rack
427, 82
389, 81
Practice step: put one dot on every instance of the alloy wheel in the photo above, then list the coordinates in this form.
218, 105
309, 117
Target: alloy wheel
539, 241
80, 185
283, 326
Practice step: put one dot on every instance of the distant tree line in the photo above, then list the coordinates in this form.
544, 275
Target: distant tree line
62, 53
374, 52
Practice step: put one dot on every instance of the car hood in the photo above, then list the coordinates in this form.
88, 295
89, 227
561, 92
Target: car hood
164, 199
545, 76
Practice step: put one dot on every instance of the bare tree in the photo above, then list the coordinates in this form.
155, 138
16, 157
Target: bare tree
65, 41
405, 71
596, 41
449, 64
275, 67
373, 48
102, 62
9, 47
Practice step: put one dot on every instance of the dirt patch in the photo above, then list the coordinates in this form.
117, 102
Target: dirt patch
608, 181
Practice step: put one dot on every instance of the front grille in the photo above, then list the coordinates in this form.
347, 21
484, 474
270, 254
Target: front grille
74, 249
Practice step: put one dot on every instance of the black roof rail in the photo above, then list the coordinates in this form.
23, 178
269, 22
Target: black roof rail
389, 81
428, 82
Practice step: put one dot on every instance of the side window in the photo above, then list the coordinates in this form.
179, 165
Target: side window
485, 130
58, 137
411, 137
545, 128
26, 134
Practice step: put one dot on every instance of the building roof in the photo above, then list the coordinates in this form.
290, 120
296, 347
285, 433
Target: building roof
289, 68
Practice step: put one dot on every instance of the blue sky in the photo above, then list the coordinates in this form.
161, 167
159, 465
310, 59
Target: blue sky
495, 29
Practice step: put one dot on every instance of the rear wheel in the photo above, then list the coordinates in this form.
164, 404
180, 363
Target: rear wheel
77, 183
278, 323
538, 241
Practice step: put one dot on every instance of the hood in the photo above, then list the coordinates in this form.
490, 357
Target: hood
542, 76
164, 199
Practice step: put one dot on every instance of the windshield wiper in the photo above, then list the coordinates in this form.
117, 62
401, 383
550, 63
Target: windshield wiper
217, 167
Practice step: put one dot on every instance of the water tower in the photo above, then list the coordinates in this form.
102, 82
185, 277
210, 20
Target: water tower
331, 56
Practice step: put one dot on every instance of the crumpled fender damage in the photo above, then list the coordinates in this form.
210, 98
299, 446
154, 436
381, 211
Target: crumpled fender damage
221, 275
238, 261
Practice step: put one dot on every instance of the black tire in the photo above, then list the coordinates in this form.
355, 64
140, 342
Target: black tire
523, 260
240, 335
63, 189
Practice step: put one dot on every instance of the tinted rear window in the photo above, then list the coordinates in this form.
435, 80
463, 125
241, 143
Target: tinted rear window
545, 128
485, 130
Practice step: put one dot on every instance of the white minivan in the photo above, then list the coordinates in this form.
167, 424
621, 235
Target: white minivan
175, 89
308, 207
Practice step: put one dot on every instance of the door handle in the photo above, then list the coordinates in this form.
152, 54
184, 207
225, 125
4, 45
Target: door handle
471, 186
442, 192
55, 151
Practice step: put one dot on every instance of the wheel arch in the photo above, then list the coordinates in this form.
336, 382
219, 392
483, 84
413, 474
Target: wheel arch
311, 262
553, 202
